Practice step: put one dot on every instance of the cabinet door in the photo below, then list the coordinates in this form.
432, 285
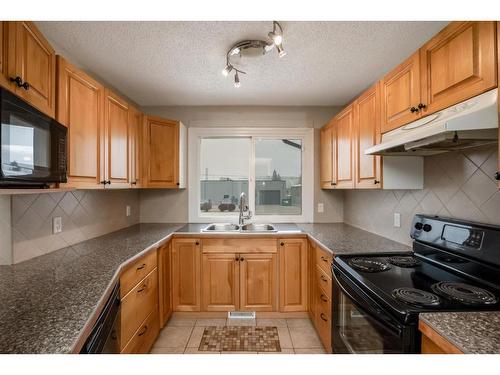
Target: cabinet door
367, 134
135, 122
117, 142
7, 54
401, 93
293, 274
457, 64
220, 276
344, 130
36, 65
327, 154
162, 152
258, 282
165, 267
80, 106
186, 272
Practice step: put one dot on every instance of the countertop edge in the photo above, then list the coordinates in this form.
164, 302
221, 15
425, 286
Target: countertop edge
423, 319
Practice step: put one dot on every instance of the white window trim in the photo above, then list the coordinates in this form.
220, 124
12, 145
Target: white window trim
195, 134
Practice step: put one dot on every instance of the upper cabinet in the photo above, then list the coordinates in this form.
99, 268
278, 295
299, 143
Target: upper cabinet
401, 94
366, 134
344, 145
135, 123
80, 106
457, 64
164, 153
28, 65
327, 155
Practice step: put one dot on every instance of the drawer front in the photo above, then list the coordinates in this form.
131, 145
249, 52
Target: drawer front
323, 301
323, 323
138, 304
137, 271
240, 245
324, 281
145, 336
324, 260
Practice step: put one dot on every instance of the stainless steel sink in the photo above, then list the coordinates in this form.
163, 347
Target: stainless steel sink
258, 228
222, 227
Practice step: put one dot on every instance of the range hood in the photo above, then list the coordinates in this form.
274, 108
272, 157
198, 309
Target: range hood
471, 123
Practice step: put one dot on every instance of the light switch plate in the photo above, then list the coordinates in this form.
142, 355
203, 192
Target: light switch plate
397, 219
321, 208
57, 225
128, 211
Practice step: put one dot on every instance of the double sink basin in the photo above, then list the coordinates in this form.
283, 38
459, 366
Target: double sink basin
247, 228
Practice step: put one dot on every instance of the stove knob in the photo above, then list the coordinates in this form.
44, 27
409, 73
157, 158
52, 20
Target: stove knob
427, 227
419, 226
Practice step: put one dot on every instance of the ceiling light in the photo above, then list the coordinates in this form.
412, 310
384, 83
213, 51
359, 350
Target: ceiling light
227, 70
276, 38
281, 51
237, 80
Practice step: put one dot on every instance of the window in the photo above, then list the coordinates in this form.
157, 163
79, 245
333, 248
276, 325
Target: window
273, 167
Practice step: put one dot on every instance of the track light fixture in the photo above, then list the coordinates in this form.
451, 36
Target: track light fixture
250, 46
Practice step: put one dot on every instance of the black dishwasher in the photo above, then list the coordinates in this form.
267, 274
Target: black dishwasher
104, 337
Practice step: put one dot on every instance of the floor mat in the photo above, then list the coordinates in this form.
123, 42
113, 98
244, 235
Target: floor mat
240, 339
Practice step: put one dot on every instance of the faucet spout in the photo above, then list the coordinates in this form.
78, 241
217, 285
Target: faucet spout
243, 208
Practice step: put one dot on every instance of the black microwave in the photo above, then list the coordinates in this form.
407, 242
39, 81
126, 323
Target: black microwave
33, 145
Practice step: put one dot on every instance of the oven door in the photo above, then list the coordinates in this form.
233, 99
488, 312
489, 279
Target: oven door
361, 325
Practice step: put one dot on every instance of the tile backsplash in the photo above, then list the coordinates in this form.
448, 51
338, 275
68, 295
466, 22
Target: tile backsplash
459, 185
85, 214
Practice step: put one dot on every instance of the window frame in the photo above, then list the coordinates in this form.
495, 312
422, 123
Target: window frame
195, 134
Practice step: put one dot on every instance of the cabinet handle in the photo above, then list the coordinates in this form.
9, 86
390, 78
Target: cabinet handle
18, 81
323, 278
108, 182
376, 182
323, 298
141, 266
421, 106
242, 259
237, 259
144, 287
333, 183
177, 183
134, 182
282, 244
497, 176
196, 243
103, 182
324, 259
413, 109
26, 86
323, 317
144, 330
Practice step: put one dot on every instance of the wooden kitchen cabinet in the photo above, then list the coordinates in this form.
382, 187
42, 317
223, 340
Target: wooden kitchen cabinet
367, 134
457, 64
220, 281
344, 145
80, 106
165, 282
258, 284
400, 91
293, 267
135, 123
186, 274
327, 155
7, 54
117, 156
164, 153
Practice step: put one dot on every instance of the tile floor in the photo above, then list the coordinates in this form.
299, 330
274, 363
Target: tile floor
183, 335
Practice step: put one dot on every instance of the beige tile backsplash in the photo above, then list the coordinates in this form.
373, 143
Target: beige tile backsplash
459, 185
85, 214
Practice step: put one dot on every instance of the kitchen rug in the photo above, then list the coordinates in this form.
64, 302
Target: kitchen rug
240, 339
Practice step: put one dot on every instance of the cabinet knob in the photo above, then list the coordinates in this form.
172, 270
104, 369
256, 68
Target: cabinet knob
376, 182
25, 86
421, 106
497, 176
177, 183
197, 243
103, 182
282, 244
333, 183
413, 109
134, 182
237, 259
17, 80
242, 259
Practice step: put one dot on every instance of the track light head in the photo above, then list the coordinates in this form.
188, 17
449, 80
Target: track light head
227, 70
237, 82
281, 51
276, 38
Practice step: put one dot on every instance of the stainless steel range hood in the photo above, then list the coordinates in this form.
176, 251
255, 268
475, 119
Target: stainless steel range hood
471, 123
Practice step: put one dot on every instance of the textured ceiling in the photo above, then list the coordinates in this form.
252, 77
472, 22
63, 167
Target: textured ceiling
180, 63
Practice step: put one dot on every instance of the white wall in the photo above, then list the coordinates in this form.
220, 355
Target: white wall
171, 206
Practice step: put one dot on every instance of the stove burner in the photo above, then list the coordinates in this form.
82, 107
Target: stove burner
416, 297
404, 261
467, 294
368, 265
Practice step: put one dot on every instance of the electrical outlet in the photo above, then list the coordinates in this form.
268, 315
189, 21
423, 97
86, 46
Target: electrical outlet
57, 225
128, 211
397, 219
321, 208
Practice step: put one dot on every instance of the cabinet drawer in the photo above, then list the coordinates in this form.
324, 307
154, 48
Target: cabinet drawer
138, 304
136, 271
323, 324
324, 281
145, 336
323, 301
323, 259
240, 245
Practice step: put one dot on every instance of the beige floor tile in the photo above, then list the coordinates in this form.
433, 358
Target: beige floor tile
210, 322
179, 321
285, 339
195, 339
299, 322
196, 351
173, 337
310, 351
283, 351
304, 338
271, 322
241, 322
167, 351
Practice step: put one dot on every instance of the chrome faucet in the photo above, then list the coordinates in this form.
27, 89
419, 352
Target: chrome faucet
244, 208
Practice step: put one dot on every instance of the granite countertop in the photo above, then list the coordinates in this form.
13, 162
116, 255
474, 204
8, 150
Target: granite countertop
471, 332
47, 301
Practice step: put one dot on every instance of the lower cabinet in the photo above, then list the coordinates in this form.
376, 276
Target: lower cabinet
186, 274
165, 282
144, 338
258, 282
293, 274
221, 281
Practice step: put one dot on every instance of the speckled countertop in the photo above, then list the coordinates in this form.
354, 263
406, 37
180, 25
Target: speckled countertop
47, 302
471, 332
